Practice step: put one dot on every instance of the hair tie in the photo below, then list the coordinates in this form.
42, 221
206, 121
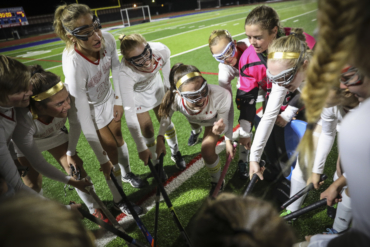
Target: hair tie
244, 231
311, 126
35, 72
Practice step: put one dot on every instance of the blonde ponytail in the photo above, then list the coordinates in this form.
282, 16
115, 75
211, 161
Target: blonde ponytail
338, 21
66, 16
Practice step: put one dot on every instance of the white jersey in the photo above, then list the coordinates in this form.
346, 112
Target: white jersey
88, 82
276, 99
134, 80
354, 146
50, 135
331, 118
217, 107
227, 73
13, 126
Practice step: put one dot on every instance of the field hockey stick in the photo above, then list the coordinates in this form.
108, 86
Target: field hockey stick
168, 202
223, 174
107, 213
302, 192
138, 221
304, 210
106, 226
253, 180
157, 199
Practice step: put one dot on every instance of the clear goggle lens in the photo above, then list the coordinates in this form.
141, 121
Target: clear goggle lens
351, 77
229, 51
194, 97
86, 31
283, 78
140, 60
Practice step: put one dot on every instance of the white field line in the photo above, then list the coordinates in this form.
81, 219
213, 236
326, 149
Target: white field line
35, 48
36, 59
237, 12
202, 26
53, 67
313, 19
191, 26
235, 24
150, 202
181, 27
295, 20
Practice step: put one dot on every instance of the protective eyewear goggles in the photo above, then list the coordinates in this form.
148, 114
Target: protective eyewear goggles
140, 60
85, 32
229, 51
285, 77
351, 76
194, 97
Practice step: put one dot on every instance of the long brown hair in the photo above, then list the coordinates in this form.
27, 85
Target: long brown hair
177, 71
234, 221
343, 37
41, 81
14, 77
264, 16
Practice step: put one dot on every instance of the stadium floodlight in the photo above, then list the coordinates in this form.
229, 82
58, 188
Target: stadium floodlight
139, 14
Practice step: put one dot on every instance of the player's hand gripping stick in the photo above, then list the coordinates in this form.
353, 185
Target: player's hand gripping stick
139, 223
106, 226
253, 180
168, 202
304, 210
302, 192
223, 174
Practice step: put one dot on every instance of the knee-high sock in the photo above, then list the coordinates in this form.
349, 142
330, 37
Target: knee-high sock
41, 193
87, 198
344, 213
171, 138
117, 173
151, 143
214, 170
297, 183
123, 159
197, 131
243, 154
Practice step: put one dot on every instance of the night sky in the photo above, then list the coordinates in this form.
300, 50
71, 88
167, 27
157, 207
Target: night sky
44, 7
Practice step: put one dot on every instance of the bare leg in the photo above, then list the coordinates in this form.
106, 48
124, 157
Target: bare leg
33, 179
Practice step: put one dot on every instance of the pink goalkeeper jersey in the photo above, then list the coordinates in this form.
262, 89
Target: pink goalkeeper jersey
252, 66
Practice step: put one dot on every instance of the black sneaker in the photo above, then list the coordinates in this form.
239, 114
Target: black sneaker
134, 180
213, 187
180, 162
161, 173
194, 138
243, 170
121, 206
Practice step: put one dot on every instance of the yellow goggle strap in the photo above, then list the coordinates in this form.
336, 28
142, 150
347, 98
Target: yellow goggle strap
218, 33
283, 55
50, 92
185, 78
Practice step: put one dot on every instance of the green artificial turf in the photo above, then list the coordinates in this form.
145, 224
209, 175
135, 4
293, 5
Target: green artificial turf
181, 35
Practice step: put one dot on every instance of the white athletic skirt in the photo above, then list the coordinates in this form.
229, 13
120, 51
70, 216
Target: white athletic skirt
150, 98
58, 138
102, 114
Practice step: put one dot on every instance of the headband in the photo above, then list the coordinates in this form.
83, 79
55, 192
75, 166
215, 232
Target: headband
50, 92
283, 55
216, 34
186, 77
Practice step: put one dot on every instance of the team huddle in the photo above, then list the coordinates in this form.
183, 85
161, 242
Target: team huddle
272, 62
